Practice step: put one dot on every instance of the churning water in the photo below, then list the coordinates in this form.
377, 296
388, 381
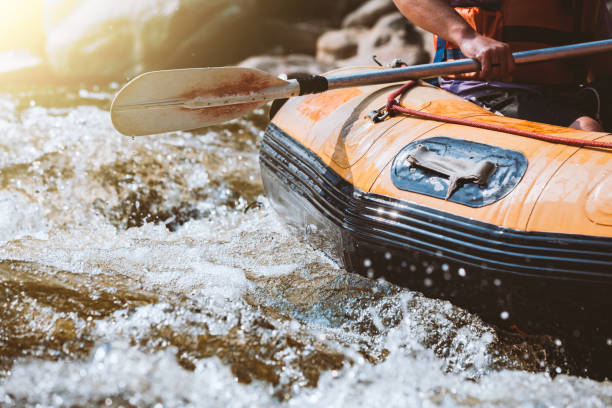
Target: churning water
137, 273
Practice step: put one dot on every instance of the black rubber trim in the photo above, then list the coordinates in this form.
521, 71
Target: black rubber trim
411, 226
277, 104
312, 84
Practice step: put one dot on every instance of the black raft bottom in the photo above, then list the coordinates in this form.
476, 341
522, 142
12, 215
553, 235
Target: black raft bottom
332, 216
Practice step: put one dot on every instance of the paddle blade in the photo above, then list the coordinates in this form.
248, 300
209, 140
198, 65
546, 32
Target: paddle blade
164, 101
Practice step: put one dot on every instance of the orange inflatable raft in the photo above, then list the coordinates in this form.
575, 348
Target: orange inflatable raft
516, 229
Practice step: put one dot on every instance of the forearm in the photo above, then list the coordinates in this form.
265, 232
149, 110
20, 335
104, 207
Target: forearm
438, 17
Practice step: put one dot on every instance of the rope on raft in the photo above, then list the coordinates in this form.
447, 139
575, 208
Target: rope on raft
394, 106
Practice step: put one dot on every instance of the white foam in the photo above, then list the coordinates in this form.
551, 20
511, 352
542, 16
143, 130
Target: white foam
20, 217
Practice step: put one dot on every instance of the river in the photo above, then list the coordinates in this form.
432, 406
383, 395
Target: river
152, 272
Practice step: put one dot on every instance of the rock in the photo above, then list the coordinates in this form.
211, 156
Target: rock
22, 66
392, 37
90, 39
18, 28
294, 65
292, 37
111, 39
369, 13
331, 11
339, 44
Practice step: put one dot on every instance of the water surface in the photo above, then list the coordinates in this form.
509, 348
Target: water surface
153, 272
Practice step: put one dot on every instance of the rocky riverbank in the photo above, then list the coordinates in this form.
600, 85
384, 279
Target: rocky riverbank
77, 40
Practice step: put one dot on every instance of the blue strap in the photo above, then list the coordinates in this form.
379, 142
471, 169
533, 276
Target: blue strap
440, 56
455, 53
440, 50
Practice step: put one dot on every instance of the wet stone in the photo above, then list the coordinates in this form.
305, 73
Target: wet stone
45, 313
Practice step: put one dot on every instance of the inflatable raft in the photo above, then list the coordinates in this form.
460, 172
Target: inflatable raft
515, 229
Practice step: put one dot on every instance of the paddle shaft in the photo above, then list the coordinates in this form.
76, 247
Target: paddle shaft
318, 84
463, 66
183, 99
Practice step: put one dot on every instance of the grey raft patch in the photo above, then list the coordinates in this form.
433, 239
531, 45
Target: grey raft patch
457, 170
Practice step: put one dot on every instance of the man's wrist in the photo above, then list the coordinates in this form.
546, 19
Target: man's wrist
462, 34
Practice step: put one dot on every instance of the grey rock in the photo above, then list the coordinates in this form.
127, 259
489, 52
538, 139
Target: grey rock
391, 37
369, 13
294, 37
108, 39
294, 65
339, 44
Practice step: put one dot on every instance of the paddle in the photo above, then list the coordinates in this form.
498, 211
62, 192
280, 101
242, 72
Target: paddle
184, 99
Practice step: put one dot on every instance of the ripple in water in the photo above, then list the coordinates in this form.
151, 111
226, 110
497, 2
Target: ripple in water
131, 275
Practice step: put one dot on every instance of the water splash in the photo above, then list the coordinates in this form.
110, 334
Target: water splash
132, 275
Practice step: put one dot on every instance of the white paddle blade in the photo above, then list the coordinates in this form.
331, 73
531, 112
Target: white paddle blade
185, 99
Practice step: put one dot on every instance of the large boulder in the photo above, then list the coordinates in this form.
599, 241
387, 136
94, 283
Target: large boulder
331, 11
391, 37
369, 13
293, 65
341, 44
113, 38
119, 38
290, 37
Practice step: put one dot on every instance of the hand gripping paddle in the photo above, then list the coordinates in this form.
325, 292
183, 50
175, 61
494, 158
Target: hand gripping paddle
184, 99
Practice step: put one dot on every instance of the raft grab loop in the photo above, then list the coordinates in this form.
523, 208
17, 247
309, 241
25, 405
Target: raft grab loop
394, 107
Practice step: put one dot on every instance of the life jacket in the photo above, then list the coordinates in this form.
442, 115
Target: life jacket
527, 25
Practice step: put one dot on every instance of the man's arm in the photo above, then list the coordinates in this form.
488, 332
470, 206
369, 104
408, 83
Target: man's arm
438, 17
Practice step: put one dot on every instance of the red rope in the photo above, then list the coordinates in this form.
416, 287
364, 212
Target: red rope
394, 106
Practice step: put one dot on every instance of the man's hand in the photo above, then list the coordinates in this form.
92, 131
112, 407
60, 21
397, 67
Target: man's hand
495, 57
438, 17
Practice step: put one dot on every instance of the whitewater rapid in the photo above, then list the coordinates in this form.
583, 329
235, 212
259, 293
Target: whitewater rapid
152, 272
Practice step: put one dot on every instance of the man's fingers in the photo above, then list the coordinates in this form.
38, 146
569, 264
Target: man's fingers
510, 62
502, 62
507, 61
485, 65
495, 57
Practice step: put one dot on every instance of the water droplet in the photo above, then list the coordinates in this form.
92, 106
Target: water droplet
370, 273
558, 370
367, 263
461, 272
609, 342
429, 270
100, 354
558, 342
504, 315
428, 282
387, 255
497, 282
445, 267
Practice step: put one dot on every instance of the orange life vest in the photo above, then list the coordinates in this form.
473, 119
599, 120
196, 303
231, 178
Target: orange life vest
527, 25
